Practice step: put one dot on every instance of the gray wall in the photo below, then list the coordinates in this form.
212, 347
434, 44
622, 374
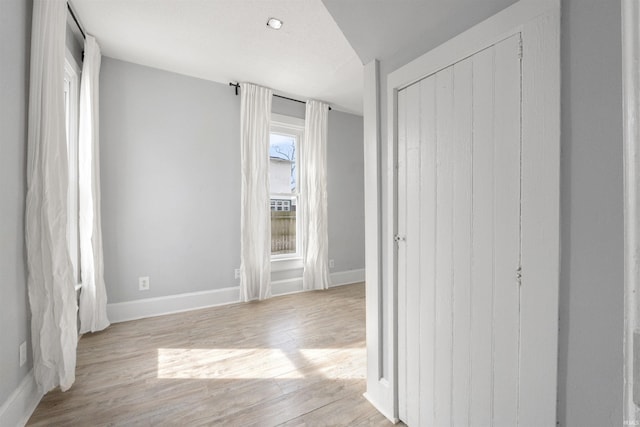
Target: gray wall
591, 289
170, 171
169, 184
345, 187
15, 27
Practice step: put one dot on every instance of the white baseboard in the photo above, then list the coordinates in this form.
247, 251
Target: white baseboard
18, 408
150, 307
292, 286
347, 277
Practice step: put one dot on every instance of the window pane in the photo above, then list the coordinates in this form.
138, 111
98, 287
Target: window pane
282, 164
284, 194
283, 225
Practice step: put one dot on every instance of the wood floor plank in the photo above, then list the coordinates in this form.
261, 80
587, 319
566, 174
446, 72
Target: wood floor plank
292, 360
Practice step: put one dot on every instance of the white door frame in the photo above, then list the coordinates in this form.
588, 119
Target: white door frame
631, 117
379, 389
539, 21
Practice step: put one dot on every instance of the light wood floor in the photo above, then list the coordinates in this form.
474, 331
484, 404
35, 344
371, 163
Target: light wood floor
291, 360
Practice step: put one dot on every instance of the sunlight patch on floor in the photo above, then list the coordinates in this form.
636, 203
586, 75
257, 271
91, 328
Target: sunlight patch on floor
260, 363
337, 363
226, 363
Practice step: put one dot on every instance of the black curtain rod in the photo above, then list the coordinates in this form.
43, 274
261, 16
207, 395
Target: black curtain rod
73, 15
237, 86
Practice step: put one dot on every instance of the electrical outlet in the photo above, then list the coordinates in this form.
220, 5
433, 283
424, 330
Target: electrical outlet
331, 263
23, 353
143, 283
237, 273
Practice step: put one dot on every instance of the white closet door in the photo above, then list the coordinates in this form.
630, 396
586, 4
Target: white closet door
459, 180
462, 242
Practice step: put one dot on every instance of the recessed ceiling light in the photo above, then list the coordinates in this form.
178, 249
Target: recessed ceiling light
274, 23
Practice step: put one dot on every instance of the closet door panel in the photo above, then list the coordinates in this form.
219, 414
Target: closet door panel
413, 245
506, 306
428, 194
444, 247
462, 218
482, 273
459, 220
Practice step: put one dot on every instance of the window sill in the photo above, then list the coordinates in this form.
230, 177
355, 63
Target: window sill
282, 264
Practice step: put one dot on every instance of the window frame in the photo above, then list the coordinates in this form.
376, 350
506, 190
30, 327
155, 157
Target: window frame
71, 87
290, 126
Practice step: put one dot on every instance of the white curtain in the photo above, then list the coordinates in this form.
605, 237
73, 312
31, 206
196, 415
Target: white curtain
50, 280
93, 296
313, 168
255, 217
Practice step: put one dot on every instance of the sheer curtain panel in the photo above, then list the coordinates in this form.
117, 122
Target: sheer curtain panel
255, 217
93, 296
50, 280
313, 157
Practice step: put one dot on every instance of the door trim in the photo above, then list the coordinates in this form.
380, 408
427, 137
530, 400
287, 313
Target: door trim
539, 21
379, 390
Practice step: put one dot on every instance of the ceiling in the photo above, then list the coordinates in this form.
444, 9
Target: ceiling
228, 40
385, 28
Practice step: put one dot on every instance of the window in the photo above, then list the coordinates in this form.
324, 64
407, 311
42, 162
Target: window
71, 100
285, 139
